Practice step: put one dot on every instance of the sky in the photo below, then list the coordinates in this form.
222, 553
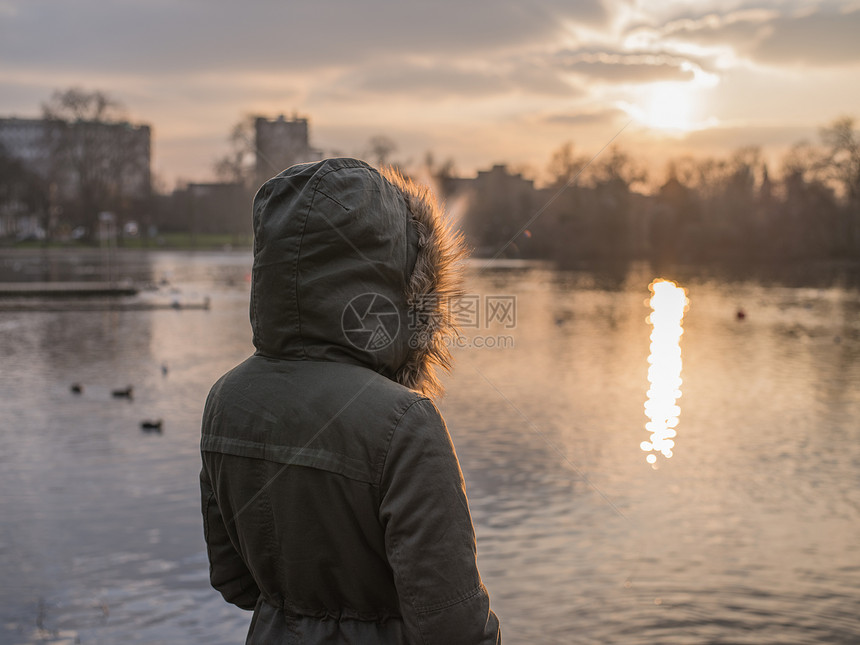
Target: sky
479, 82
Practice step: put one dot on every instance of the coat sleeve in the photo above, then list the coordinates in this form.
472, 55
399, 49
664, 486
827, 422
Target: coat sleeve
227, 570
429, 537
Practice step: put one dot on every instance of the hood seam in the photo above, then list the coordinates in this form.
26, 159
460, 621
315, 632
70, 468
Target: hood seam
314, 192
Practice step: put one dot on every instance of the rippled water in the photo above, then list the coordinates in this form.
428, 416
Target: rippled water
748, 534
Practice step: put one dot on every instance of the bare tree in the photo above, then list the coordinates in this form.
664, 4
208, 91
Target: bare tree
843, 156
565, 165
842, 167
75, 104
443, 176
683, 170
380, 150
99, 162
617, 167
22, 192
805, 160
238, 165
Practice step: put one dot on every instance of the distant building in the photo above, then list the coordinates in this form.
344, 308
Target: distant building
83, 169
71, 154
498, 179
281, 143
124, 151
23, 197
501, 204
25, 140
55, 149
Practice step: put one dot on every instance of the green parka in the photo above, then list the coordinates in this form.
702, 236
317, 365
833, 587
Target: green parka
333, 501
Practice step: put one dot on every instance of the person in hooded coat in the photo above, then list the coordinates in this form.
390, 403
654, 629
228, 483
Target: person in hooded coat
333, 502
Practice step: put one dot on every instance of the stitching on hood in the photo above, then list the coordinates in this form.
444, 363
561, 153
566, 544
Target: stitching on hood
295, 274
436, 281
336, 201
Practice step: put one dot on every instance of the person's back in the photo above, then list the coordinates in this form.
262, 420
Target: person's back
332, 498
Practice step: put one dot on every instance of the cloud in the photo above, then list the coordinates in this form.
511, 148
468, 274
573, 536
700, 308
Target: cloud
597, 118
817, 39
194, 35
443, 80
476, 80
733, 137
437, 81
614, 65
737, 27
538, 78
824, 37
630, 72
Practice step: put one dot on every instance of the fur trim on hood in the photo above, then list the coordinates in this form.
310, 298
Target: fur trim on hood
436, 282
358, 266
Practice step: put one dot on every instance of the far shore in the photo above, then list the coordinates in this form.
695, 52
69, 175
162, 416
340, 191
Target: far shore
818, 273
166, 242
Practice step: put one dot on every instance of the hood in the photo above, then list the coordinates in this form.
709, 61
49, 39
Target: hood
358, 266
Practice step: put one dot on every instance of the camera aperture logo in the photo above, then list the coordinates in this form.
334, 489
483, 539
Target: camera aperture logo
370, 322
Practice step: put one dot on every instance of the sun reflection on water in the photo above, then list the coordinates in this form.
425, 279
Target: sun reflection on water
669, 302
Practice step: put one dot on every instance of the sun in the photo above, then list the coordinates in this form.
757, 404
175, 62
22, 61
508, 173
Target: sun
668, 106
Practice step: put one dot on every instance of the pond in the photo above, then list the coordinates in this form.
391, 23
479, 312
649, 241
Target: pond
747, 533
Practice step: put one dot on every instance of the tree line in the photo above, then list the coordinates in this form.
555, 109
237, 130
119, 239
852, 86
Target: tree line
707, 210
83, 160
733, 209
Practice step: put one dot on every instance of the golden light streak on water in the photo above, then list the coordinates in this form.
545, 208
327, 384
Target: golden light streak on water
669, 302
